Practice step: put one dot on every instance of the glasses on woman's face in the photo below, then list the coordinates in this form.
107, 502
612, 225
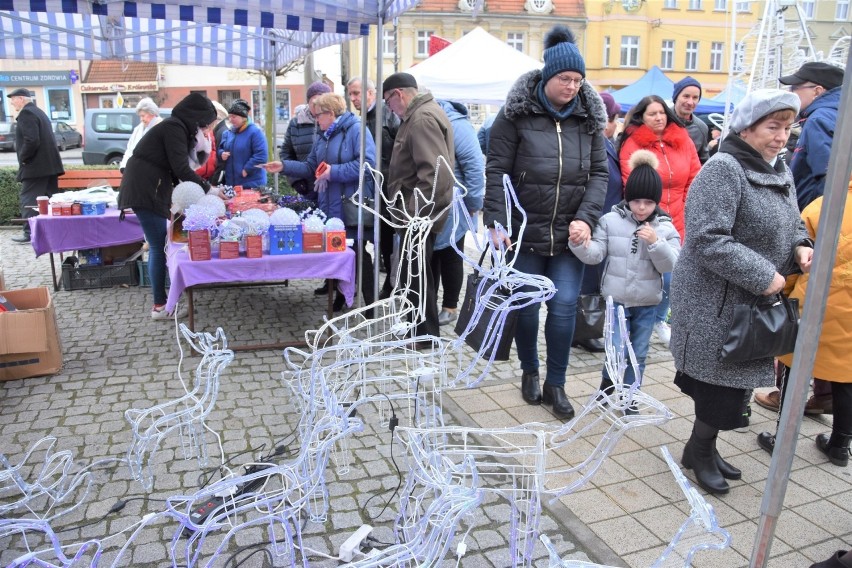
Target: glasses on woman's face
567, 81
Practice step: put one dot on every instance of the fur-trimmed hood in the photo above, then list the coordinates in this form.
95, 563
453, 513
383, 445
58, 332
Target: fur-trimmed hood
673, 135
522, 101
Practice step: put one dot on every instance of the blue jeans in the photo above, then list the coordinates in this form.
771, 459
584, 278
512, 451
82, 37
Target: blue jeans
155, 228
566, 272
663, 306
640, 324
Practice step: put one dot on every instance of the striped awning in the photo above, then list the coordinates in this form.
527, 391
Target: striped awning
258, 34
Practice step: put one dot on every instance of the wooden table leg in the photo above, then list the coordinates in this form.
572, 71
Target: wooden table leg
190, 308
332, 286
53, 273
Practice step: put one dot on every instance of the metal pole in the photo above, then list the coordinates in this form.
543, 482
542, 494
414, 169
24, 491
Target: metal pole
831, 217
380, 108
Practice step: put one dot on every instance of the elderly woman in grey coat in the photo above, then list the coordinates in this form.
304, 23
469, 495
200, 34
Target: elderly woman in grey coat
743, 236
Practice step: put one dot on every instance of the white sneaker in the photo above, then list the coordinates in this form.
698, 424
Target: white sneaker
160, 313
663, 331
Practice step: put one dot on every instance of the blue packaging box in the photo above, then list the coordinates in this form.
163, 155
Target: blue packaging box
285, 239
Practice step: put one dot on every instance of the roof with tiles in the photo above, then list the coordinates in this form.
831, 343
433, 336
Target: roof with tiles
561, 8
121, 71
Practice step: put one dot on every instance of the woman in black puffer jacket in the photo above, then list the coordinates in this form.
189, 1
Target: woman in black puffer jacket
158, 163
549, 139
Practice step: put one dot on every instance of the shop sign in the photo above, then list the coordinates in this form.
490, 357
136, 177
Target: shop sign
139, 86
32, 78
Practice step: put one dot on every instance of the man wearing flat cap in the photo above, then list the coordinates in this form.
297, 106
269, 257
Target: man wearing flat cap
818, 86
39, 163
424, 135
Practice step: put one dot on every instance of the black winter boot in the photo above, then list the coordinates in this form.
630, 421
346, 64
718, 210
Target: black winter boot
556, 396
835, 447
530, 387
698, 455
727, 470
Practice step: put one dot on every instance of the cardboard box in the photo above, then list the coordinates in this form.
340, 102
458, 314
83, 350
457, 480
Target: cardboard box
335, 241
199, 245
313, 242
285, 239
119, 253
29, 338
254, 246
229, 250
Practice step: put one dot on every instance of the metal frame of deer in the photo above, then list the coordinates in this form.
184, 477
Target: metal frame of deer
53, 481
186, 415
700, 531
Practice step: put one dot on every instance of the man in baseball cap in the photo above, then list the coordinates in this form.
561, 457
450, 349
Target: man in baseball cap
819, 73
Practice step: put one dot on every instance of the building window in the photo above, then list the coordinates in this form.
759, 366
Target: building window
720, 5
808, 7
467, 5
607, 48
516, 40
743, 7
667, 57
691, 56
672, 4
388, 42
227, 98
694, 4
538, 6
716, 52
841, 11
59, 104
423, 43
630, 51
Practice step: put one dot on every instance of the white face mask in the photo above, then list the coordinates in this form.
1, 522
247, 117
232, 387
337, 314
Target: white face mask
199, 154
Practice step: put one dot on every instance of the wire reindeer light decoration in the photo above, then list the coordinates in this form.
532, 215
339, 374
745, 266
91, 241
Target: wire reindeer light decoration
185, 415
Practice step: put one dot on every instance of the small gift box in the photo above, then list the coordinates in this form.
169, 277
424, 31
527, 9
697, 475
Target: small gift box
199, 244
335, 241
285, 239
229, 249
56, 209
313, 242
254, 246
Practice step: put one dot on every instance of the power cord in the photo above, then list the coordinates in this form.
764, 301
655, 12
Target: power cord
116, 507
394, 422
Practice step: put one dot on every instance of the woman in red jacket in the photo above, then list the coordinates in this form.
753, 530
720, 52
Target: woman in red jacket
652, 125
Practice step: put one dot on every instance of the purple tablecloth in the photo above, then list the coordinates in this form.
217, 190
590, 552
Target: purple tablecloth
78, 232
184, 272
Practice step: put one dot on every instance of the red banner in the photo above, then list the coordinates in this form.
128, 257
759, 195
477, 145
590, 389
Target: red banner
436, 44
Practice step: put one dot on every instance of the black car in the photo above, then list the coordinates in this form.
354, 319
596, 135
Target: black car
66, 136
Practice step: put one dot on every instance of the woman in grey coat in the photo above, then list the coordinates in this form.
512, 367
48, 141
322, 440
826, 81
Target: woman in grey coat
743, 236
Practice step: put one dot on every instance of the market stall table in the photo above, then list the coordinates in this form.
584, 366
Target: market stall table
57, 234
189, 275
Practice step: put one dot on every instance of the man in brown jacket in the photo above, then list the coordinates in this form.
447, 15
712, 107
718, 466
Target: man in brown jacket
424, 135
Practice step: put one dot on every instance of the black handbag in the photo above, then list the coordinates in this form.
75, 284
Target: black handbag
766, 327
484, 328
591, 312
350, 212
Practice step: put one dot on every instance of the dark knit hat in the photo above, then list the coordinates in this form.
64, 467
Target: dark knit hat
684, 83
825, 75
612, 107
561, 54
643, 182
317, 88
240, 107
399, 81
196, 110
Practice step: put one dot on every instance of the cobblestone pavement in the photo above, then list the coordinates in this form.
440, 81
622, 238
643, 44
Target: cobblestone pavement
116, 357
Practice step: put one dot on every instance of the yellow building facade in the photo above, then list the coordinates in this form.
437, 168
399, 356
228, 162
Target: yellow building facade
624, 39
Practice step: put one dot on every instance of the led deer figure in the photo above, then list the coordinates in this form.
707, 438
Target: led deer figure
527, 462
699, 532
271, 495
51, 492
426, 534
186, 415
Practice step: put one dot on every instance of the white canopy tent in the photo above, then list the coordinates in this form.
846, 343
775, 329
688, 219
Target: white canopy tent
478, 68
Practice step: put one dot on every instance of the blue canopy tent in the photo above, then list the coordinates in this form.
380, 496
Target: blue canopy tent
654, 82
